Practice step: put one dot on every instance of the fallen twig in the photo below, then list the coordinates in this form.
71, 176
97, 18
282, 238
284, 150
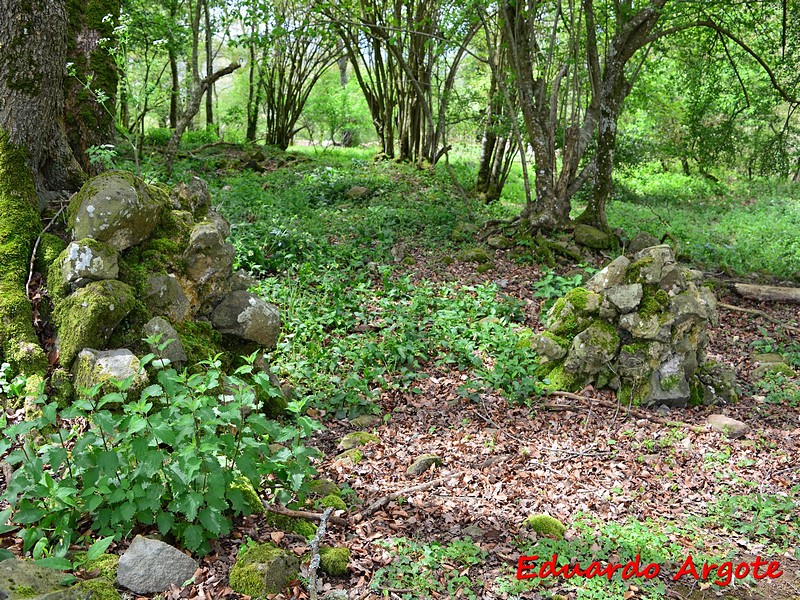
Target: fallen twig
384, 500
301, 514
632, 411
760, 313
312, 568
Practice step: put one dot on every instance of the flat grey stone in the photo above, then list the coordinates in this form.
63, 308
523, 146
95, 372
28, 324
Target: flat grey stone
730, 427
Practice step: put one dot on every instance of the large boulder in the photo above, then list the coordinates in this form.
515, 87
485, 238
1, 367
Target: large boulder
115, 207
209, 262
248, 317
88, 317
105, 367
151, 566
591, 237
192, 197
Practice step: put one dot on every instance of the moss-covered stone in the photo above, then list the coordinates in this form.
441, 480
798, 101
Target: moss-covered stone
634, 272
250, 495
200, 340
475, 255
50, 246
299, 526
334, 561
100, 589
546, 525
354, 455
560, 379
463, 232
263, 569
583, 300
670, 382
357, 439
323, 487
87, 318
333, 501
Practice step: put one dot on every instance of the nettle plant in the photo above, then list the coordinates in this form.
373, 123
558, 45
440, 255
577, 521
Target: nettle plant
176, 458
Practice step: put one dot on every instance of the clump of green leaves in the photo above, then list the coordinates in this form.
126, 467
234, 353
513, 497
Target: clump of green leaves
168, 458
552, 286
430, 569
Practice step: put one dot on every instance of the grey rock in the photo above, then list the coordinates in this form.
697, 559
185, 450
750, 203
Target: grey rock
625, 298
193, 197
174, 349
499, 242
105, 367
592, 349
25, 580
151, 566
548, 348
728, 426
248, 317
366, 421
165, 297
768, 357
720, 380
336, 595
88, 260
641, 241
669, 385
673, 279
208, 256
591, 237
613, 274
116, 208
241, 280
422, 464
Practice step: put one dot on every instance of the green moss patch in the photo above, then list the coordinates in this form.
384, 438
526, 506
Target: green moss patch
299, 526
333, 561
100, 589
356, 439
263, 569
333, 501
546, 525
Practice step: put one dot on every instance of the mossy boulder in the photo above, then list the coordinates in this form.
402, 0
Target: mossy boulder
248, 317
87, 318
475, 255
593, 349
363, 421
323, 487
263, 569
334, 561
354, 456
25, 580
546, 525
115, 207
85, 261
357, 439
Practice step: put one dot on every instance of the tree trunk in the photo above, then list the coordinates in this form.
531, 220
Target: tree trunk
91, 94
192, 108
209, 66
175, 84
768, 293
35, 159
33, 50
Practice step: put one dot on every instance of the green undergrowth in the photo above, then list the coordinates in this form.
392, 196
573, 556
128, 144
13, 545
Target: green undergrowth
354, 320
741, 226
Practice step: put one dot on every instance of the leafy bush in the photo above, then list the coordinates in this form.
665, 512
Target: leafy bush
167, 459
198, 137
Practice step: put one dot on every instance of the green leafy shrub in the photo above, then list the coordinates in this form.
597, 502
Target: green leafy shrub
170, 459
158, 136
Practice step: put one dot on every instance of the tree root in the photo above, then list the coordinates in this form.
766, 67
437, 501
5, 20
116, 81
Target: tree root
383, 501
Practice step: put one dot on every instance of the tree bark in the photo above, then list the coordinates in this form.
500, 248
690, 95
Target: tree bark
91, 95
209, 66
33, 50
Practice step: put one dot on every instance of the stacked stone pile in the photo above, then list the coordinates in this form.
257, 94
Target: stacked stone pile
143, 262
639, 328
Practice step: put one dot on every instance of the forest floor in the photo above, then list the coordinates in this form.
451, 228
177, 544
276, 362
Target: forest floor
659, 485
381, 318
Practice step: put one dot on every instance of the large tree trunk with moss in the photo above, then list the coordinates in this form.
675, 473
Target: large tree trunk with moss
91, 94
33, 50
35, 159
